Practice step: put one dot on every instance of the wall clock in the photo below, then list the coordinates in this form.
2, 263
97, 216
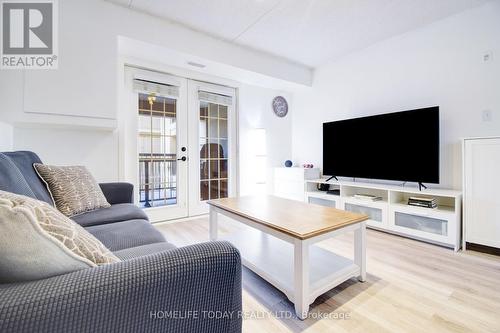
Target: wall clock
280, 106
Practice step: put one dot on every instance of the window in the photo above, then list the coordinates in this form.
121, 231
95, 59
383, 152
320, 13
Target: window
213, 150
157, 150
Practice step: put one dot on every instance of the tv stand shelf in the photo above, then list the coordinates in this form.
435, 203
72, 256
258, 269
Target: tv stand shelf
440, 225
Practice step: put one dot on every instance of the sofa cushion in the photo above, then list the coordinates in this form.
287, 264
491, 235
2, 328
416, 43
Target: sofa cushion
37, 241
24, 161
123, 235
143, 250
73, 188
115, 213
11, 178
118, 192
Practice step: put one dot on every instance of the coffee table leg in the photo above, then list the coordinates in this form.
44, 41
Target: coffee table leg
301, 279
213, 224
360, 250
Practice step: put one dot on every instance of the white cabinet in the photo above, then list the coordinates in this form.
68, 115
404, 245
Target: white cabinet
289, 182
481, 185
392, 213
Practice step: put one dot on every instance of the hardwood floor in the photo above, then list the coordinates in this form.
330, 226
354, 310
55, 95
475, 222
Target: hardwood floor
411, 287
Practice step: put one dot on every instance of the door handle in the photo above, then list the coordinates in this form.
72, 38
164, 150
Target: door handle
183, 158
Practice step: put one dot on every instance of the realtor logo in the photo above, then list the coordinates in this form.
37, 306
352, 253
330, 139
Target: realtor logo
29, 38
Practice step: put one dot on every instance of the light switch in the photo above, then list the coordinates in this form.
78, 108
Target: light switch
487, 56
487, 116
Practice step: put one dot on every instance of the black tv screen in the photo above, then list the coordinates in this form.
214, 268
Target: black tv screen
394, 146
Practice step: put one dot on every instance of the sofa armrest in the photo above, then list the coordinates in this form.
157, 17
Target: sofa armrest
117, 193
171, 291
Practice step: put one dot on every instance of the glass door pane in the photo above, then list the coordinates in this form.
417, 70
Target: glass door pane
213, 150
157, 139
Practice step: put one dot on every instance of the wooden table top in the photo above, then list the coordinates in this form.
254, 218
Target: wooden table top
297, 219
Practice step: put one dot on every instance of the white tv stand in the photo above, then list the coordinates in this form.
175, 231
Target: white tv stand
441, 225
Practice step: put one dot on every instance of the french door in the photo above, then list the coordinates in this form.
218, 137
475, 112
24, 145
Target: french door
185, 135
212, 139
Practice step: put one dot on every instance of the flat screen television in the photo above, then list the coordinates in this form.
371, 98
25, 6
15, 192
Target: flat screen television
400, 146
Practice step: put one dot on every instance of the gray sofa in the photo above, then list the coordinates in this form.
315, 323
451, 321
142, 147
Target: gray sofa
156, 288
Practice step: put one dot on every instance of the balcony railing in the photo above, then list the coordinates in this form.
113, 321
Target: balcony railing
157, 179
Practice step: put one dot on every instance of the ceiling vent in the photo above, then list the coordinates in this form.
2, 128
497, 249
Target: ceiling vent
195, 64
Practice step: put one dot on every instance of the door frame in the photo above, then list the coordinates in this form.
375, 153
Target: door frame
196, 207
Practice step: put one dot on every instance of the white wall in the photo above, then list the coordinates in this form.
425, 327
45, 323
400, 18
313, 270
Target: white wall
256, 112
70, 115
97, 150
440, 64
6, 137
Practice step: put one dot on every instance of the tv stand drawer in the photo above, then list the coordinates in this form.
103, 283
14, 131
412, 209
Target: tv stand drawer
377, 214
430, 224
421, 223
322, 202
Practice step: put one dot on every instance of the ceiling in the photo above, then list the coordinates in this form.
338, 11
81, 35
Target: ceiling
307, 32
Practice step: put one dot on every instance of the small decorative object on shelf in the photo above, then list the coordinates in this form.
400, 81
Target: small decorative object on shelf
280, 106
323, 187
288, 163
307, 166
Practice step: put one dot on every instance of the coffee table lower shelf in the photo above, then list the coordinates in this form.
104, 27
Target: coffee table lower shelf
273, 260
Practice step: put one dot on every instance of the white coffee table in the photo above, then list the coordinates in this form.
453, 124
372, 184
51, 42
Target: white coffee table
279, 246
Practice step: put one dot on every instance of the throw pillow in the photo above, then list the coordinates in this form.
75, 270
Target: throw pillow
37, 241
73, 189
